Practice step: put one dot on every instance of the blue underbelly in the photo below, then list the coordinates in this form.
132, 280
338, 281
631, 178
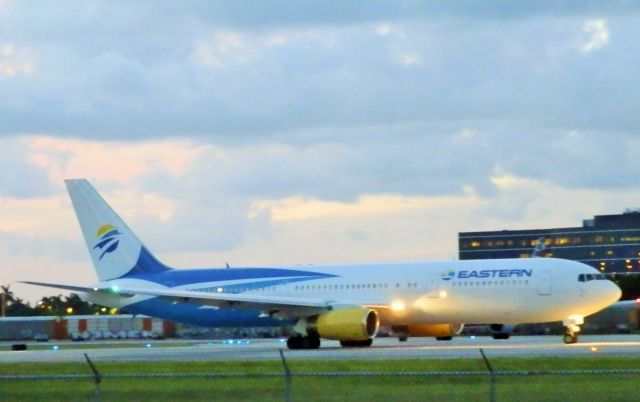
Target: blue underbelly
194, 314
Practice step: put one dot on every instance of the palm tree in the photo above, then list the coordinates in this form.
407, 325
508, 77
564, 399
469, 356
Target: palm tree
5, 297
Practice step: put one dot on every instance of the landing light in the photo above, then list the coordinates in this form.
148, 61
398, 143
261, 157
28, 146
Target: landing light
594, 349
398, 305
443, 293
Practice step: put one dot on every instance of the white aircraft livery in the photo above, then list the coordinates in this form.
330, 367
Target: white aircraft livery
347, 303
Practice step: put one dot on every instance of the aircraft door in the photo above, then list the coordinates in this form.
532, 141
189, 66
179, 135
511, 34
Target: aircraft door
544, 283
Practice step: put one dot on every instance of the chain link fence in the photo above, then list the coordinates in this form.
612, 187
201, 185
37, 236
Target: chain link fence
288, 385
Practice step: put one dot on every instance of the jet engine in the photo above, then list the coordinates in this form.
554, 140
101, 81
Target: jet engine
347, 325
501, 331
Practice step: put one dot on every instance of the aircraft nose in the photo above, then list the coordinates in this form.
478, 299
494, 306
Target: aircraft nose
613, 292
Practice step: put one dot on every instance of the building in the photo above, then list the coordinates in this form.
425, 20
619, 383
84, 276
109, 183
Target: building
610, 243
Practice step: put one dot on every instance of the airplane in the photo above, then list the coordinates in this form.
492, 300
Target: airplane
347, 303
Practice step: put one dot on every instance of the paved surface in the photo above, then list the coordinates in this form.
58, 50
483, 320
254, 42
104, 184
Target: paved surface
384, 348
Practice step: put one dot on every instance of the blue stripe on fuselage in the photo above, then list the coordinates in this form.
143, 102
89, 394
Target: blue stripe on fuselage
181, 277
148, 268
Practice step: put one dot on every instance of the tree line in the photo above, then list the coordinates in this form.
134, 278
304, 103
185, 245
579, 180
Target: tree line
50, 305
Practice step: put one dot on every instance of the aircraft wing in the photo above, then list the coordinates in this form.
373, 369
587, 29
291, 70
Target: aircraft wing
73, 288
270, 305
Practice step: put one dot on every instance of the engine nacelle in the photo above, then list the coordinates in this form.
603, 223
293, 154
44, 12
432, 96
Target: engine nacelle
349, 324
501, 331
434, 330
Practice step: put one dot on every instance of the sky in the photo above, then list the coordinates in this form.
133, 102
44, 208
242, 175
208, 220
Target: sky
310, 132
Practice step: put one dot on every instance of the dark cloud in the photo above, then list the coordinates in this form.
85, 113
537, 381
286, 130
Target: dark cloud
123, 70
319, 103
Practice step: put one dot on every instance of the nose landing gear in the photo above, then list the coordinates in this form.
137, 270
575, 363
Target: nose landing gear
570, 337
571, 329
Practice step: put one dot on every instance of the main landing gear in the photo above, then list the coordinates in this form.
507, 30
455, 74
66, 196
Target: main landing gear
571, 329
303, 342
313, 342
570, 336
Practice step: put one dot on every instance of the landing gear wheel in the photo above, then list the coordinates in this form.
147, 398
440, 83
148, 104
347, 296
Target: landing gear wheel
444, 338
313, 342
294, 342
571, 329
356, 344
403, 338
501, 335
303, 342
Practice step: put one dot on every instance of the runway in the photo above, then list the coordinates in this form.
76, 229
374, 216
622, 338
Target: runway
383, 349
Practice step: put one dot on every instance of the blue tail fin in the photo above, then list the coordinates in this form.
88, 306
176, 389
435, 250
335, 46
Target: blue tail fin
115, 250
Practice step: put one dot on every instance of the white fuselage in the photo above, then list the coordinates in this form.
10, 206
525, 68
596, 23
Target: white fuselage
455, 292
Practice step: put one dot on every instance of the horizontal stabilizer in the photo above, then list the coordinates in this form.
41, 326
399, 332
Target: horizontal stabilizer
74, 288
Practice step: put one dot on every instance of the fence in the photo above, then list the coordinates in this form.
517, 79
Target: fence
288, 385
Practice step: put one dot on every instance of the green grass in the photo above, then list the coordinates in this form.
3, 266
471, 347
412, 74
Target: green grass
394, 386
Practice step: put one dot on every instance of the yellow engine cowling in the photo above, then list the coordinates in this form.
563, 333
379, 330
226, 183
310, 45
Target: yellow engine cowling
349, 324
435, 330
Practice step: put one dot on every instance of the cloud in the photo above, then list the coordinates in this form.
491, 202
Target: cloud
226, 48
20, 178
598, 35
384, 29
234, 81
109, 161
298, 208
411, 59
16, 60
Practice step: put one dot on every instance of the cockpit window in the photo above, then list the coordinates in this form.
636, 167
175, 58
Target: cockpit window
591, 277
